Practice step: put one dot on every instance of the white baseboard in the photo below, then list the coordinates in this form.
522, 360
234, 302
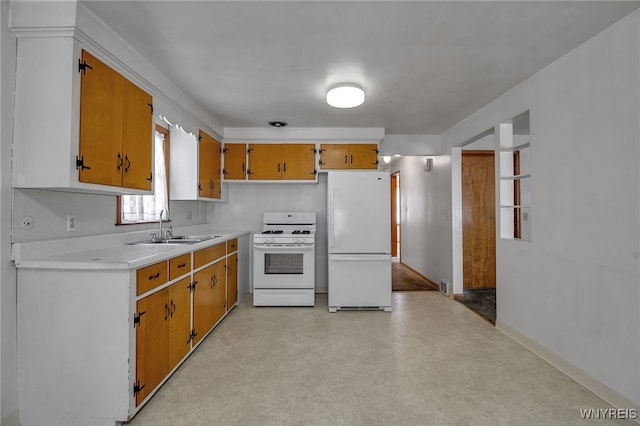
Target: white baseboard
603, 391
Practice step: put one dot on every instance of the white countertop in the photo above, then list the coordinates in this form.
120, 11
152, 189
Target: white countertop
110, 251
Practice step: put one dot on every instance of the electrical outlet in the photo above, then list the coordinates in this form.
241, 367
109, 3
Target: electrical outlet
71, 223
27, 223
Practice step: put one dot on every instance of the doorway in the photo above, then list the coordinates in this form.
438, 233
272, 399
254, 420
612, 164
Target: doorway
479, 232
478, 219
474, 239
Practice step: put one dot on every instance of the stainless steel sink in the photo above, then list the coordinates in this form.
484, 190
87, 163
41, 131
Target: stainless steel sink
178, 239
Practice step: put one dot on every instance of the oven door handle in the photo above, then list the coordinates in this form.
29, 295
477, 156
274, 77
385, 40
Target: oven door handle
283, 246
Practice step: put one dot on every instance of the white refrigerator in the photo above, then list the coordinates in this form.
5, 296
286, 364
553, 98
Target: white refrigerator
359, 240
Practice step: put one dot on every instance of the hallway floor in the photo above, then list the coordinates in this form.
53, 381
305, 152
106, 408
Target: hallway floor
429, 362
482, 301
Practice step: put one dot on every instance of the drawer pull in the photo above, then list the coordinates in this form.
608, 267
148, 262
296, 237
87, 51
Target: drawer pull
182, 265
153, 277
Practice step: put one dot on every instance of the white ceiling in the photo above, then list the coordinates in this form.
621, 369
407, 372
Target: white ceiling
425, 65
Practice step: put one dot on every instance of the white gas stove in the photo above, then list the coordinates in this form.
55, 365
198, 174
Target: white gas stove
284, 260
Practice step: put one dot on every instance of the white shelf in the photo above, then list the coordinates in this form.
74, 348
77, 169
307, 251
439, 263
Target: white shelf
516, 177
516, 147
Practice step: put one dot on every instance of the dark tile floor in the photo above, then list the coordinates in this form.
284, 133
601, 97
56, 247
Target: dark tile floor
482, 301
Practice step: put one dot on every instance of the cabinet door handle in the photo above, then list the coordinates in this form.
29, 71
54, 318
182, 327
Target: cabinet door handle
150, 178
284, 167
243, 167
352, 159
119, 161
173, 306
345, 159
278, 166
154, 276
126, 168
167, 311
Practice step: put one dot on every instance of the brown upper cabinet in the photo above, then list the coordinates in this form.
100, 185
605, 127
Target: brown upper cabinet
282, 162
348, 156
116, 128
265, 162
209, 171
235, 161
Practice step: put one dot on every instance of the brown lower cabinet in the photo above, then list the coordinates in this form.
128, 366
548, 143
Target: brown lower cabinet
208, 298
138, 321
232, 280
162, 337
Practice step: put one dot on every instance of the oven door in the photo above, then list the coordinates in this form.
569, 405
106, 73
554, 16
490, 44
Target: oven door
283, 265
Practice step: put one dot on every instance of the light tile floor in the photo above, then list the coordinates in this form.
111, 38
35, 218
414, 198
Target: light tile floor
429, 362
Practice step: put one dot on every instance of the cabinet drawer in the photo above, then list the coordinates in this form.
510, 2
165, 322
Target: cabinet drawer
179, 266
232, 245
150, 277
209, 254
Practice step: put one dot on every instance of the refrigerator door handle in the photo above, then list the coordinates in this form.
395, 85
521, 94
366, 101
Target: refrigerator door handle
372, 257
331, 218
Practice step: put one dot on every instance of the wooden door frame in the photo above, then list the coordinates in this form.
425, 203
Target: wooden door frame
395, 221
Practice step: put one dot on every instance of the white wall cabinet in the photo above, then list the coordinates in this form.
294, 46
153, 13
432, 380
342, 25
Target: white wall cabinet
196, 169
46, 145
79, 333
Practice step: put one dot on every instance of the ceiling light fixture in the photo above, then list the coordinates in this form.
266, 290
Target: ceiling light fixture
278, 123
346, 95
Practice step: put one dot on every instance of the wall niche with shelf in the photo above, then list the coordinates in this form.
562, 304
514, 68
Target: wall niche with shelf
515, 178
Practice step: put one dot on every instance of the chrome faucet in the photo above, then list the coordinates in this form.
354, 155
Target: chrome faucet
159, 236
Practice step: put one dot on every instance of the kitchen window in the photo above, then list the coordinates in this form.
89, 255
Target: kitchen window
133, 209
